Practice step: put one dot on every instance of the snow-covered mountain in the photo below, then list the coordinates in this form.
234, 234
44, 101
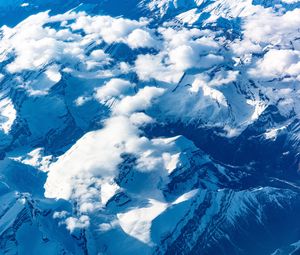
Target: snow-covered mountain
150, 127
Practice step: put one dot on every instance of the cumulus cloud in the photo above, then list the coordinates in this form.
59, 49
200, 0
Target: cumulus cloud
39, 46
140, 119
42, 45
139, 38
246, 46
223, 77
113, 88
278, 63
150, 67
116, 30
141, 101
183, 57
98, 55
181, 50
271, 27
77, 223
98, 58
33, 54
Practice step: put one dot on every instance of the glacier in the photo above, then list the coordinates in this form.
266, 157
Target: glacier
150, 127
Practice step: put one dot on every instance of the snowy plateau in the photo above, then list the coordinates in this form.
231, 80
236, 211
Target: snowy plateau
159, 127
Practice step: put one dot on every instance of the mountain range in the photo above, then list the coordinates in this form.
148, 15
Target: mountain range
150, 127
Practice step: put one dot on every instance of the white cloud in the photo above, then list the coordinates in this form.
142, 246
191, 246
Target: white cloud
180, 50
190, 48
223, 77
97, 58
32, 54
184, 57
140, 119
99, 55
151, 67
53, 73
277, 63
271, 27
141, 101
118, 30
77, 223
60, 214
245, 46
182, 36
40, 45
81, 100
140, 39
113, 88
